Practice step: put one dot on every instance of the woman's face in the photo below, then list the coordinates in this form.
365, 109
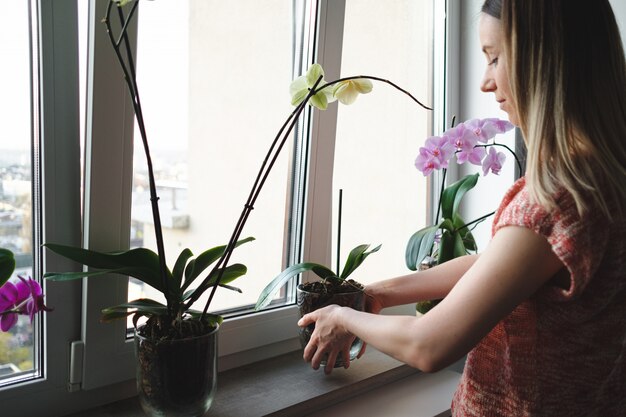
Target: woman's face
496, 78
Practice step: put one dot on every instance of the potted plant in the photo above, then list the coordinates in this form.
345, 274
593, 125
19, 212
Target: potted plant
333, 288
450, 236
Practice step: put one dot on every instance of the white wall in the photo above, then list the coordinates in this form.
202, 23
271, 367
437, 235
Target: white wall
474, 103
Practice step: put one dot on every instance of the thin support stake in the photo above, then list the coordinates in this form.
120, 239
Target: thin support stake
339, 231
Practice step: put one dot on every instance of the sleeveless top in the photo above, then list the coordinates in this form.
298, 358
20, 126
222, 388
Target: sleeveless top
562, 352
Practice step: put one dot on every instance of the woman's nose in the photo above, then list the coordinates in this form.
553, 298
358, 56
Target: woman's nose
488, 84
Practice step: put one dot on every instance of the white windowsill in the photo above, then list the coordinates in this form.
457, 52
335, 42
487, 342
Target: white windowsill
286, 386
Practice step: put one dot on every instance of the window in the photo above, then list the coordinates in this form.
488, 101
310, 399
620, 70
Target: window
19, 346
214, 78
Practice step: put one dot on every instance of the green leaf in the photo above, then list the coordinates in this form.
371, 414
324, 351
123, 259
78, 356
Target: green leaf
419, 246
356, 258
7, 265
466, 234
452, 195
70, 276
140, 307
450, 247
231, 273
179, 267
115, 315
469, 242
213, 319
140, 263
142, 304
281, 279
459, 247
196, 266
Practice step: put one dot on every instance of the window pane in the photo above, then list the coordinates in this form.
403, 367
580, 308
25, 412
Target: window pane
214, 79
17, 346
378, 137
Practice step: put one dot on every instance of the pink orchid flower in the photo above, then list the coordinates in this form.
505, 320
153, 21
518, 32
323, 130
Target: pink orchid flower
493, 162
440, 148
468, 151
426, 162
468, 140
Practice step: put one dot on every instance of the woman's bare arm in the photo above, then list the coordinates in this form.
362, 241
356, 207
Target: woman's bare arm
514, 266
431, 284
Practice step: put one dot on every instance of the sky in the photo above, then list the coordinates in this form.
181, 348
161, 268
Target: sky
14, 77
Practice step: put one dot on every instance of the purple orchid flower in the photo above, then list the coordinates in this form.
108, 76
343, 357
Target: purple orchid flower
468, 151
493, 162
24, 297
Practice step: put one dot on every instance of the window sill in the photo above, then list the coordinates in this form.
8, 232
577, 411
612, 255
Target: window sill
286, 386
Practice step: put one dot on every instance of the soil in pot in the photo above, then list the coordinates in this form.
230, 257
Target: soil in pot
176, 377
315, 295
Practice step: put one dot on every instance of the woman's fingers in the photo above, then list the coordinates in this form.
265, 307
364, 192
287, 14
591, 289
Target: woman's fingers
330, 362
309, 351
307, 319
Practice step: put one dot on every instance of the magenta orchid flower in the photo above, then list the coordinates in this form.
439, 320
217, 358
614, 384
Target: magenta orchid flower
24, 297
493, 162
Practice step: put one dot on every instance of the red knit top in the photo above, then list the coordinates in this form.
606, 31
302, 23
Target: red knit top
563, 351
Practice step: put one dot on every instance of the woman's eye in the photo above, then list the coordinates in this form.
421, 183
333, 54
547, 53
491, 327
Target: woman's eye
494, 61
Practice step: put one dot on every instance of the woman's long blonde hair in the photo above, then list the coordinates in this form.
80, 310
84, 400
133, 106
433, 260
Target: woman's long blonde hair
568, 79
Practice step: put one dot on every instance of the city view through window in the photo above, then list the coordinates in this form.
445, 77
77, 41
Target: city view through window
17, 345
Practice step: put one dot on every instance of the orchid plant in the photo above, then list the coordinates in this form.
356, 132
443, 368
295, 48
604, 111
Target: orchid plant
25, 297
472, 141
175, 319
320, 94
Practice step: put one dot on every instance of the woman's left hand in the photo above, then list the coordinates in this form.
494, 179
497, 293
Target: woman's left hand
328, 339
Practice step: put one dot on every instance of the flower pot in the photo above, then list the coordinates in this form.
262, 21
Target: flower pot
176, 377
309, 301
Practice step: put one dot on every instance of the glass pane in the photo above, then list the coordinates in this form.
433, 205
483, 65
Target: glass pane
378, 137
214, 79
17, 346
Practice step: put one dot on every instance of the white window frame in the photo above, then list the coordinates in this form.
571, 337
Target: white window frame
101, 367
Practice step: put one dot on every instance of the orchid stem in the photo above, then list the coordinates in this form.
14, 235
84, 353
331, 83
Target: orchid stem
131, 82
370, 77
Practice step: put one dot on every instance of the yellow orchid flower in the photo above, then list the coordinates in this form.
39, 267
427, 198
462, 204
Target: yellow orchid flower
347, 91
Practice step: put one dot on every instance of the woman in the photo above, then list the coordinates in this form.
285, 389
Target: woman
541, 312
